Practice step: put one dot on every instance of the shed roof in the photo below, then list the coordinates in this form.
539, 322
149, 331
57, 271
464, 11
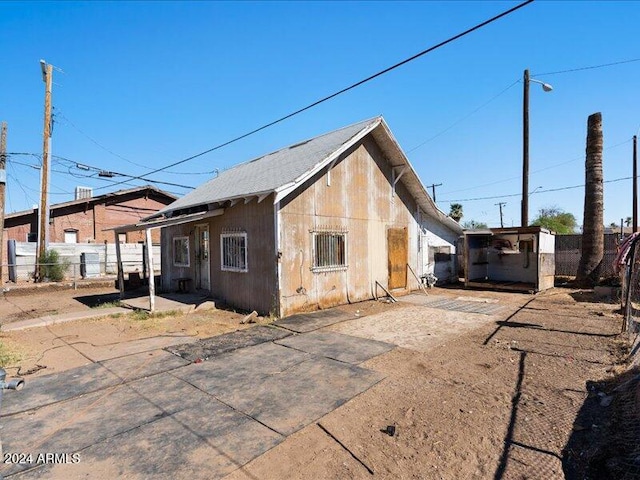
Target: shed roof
282, 171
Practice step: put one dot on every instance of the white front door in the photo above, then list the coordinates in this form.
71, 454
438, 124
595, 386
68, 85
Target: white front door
202, 258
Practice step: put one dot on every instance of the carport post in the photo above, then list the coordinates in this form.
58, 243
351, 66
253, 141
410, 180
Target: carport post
119, 265
151, 276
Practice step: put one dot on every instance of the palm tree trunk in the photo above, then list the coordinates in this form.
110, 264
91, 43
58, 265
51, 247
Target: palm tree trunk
593, 224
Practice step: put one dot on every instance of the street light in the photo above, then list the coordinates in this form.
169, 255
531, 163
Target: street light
524, 220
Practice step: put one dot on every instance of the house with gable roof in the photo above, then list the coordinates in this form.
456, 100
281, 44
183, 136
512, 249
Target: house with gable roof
331, 220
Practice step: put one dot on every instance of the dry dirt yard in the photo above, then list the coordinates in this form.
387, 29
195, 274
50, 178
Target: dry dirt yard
493, 397
52, 349
471, 395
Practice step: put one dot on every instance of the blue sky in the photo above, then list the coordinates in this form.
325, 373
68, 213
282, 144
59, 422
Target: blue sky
149, 83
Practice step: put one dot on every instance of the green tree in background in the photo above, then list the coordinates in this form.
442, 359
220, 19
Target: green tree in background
456, 211
472, 225
555, 219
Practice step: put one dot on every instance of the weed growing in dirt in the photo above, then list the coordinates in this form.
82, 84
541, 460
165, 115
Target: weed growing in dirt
140, 315
114, 303
8, 356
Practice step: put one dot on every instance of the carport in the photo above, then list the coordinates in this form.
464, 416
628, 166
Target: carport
148, 226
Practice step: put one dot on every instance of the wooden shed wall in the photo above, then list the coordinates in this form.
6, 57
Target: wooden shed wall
253, 290
359, 200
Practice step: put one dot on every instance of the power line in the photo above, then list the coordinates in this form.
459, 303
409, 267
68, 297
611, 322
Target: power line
344, 90
588, 68
538, 191
462, 119
575, 159
75, 175
69, 122
98, 170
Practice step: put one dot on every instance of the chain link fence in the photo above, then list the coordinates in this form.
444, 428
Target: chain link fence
619, 455
569, 249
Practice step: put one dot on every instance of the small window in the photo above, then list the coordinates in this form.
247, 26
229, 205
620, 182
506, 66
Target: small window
122, 238
526, 245
71, 236
181, 251
32, 237
329, 251
233, 252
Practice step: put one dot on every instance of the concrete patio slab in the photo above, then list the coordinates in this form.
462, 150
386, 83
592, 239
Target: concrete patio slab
54, 388
154, 415
169, 393
221, 344
298, 396
416, 328
242, 369
308, 322
206, 441
98, 353
163, 449
76, 423
337, 346
232, 433
471, 305
183, 302
143, 364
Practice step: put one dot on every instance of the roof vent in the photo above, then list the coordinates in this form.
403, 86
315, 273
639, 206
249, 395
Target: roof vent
84, 192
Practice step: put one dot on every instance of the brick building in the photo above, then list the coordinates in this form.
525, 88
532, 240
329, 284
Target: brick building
84, 220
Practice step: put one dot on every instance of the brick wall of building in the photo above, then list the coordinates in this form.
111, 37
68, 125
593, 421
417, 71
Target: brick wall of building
89, 220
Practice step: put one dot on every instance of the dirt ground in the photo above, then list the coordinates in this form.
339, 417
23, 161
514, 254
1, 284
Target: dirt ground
470, 395
21, 304
51, 349
497, 401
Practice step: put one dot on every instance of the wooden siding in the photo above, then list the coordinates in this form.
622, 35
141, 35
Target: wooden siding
254, 290
358, 201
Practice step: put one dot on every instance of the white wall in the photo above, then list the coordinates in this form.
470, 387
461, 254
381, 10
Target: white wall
434, 234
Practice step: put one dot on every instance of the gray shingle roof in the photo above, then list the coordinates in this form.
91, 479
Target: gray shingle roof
269, 172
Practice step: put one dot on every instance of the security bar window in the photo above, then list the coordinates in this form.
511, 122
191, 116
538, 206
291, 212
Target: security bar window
233, 251
329, 251
181, 251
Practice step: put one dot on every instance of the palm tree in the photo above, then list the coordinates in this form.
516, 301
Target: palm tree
627, 221
456, 211
593, 225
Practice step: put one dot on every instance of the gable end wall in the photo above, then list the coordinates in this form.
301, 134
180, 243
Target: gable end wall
358, 200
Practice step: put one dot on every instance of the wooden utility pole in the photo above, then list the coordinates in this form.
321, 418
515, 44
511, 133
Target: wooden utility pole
635, 184
524, 213
43, 214
3, 184
433, 190
500, 205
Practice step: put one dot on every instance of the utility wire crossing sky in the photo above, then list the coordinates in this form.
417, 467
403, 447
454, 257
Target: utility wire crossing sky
130, 97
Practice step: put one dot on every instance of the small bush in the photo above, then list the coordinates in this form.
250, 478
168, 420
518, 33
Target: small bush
52, 268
